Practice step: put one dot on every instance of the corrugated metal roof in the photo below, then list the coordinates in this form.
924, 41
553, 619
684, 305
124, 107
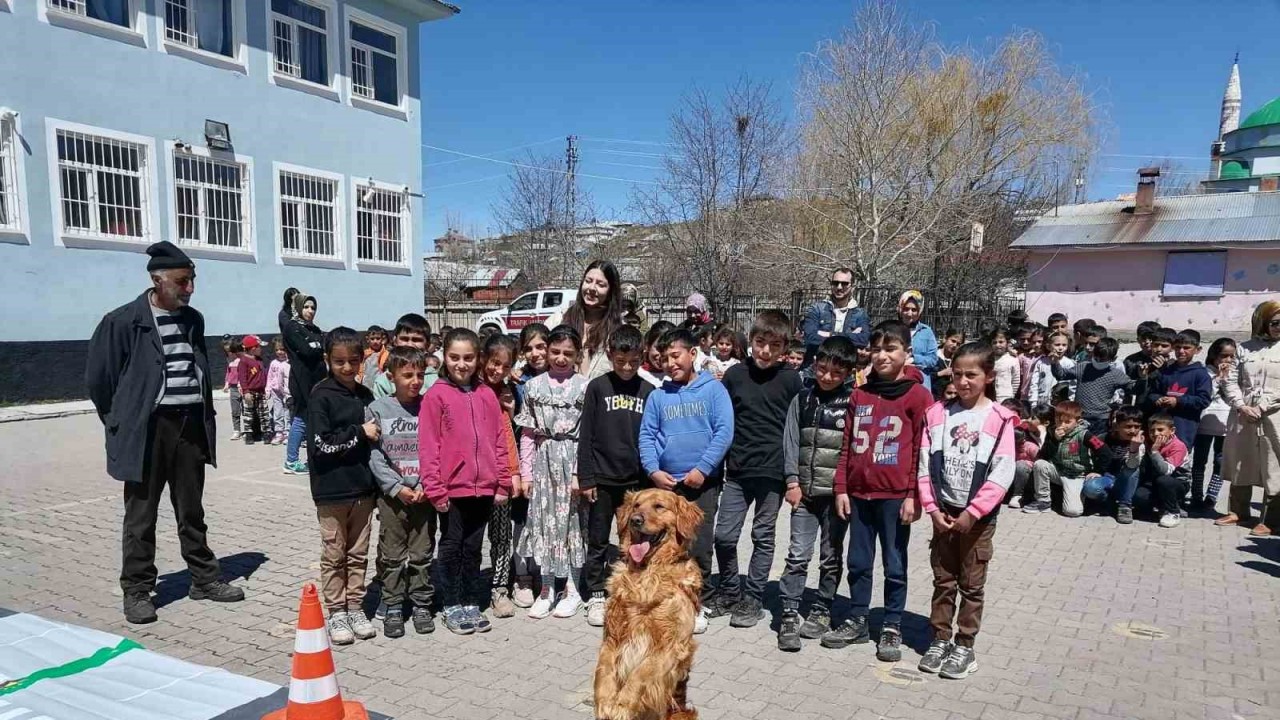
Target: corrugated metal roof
1190, 219
467, 275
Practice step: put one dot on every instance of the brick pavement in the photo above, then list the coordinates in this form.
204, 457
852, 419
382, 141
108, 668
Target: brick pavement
1085, 619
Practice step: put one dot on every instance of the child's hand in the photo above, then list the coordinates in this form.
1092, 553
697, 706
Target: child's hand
1135, 445
1251, 412
662, 480
408, 495
1090, 476
794, 496
1224, 368
843, 506
574, 488
963, 524
695, 478
1158, 362
372, 431
944, 372
941, 522
909, 512
1166, 402
1060, 431
500, 499
442, 506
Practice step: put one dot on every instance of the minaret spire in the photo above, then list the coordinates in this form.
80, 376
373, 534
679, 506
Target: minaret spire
1231, 101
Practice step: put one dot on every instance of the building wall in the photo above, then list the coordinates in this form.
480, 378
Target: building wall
56, 293
1121, 287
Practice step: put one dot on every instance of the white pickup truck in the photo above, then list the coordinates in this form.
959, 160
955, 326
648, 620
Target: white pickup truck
531, 307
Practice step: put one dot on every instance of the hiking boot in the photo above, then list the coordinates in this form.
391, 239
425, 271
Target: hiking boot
595, 611
138, 608
889, 649
393, 623
817, 624
423, 623
523, 596
500, 603
361, 627
853, 631
340, 628
1039, 506
458, 620
720, 605
960, 664
478, 619
217, 591
747, 612
700, 622
789, 632
1124, 515
933, 658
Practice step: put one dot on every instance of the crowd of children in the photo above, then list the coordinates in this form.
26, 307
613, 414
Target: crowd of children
459, 435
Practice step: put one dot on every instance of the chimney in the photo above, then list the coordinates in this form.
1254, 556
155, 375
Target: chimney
1145, 201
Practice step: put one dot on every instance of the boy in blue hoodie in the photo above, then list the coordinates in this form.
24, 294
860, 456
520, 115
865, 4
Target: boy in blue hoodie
685, 432
1183, 389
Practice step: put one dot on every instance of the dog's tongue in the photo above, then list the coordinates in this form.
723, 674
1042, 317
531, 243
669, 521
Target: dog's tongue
639, 551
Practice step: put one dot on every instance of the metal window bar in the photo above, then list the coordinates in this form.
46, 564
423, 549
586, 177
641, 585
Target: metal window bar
75, 7
361, 71
211, 202
180, 22
286, 39
104, 186
10, 209
308, 216
380, 226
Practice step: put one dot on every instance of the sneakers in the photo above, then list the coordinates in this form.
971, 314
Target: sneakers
297, 467
595, 611
1015, 502
423, 623
817, 624
1124, 515
393, 624
933, 658
889, 649
458, 620
960, 664
700, 622
1039, 506
236, 435
719, 605
747, 612
500, 603
360, 626
540, 608
789, 632
1170, 520
138, 609
217, 591
381, 612
478, 619
851, 632
279, 439
569, 605
523, 596
340, 629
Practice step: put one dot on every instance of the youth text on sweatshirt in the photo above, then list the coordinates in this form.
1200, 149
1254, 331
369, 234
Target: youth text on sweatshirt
609, 433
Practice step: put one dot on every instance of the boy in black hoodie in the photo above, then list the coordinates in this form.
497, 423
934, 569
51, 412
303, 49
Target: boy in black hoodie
341, 432
609, 455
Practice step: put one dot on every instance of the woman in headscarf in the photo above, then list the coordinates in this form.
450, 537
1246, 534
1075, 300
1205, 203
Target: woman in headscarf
304, 344
924, 344
696, 313
1251, 453
633, 311
595, 313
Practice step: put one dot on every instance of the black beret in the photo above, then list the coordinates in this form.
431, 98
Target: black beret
165, 256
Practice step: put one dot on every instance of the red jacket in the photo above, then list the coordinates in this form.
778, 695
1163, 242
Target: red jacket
882, 440
463, 443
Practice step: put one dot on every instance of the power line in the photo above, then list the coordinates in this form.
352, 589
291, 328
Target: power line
495, 152
630, 165
1154, 156
533, 167
629, 142
464, 182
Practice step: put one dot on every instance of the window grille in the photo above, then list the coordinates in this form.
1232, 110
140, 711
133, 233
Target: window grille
211, 200
103, 186
380, 226
309, 216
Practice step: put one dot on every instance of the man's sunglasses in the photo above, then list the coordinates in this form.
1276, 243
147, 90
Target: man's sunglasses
840, 283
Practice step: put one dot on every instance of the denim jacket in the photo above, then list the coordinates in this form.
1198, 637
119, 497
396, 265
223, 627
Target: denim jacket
822, 317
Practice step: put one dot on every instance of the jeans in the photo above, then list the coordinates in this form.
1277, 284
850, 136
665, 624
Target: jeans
814, 518
707, 498
460, 546
297, 434
1163, 494
735, 498
869, 521
1021, 477
1206, 446
600, 519
1046, 473
1116, 489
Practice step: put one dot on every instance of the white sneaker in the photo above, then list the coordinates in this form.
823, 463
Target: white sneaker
700, 622
540, 608
340, 629
237, 435
360, 626
595, 611
1170, 520
1015, 502
523, 596
569, 605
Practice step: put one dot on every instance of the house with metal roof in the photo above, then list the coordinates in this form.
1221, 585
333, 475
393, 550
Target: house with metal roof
1198, 261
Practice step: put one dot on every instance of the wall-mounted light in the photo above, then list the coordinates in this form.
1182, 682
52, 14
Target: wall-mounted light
8, 114
217, 135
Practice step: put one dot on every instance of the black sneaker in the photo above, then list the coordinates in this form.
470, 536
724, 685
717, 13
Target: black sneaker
217, 591
746, 613
889, 649
138, 609
721, 605
1039, 506
933, 658
960, 664
851, 632
423, 622
817, 624
393, 623
789, 632
1124, 515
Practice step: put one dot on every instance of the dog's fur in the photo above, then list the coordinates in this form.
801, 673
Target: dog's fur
643, 671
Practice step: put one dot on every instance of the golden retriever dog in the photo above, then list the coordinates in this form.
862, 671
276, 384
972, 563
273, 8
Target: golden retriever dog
654, 592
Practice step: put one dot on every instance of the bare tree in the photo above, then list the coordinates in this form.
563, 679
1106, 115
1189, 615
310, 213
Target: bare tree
533, 212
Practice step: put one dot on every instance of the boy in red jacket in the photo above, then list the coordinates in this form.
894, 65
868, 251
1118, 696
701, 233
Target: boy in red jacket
876, 487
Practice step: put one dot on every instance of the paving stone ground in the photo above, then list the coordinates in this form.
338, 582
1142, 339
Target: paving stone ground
1084, 619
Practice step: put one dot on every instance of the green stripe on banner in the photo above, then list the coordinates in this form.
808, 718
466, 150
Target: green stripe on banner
96, 660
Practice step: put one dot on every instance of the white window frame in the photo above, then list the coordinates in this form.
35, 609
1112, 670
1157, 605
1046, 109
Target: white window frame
238, 61
1205, 291
404, 267
12, 156
342, 254
332, 91
249, 228
401, 108
134, 34
150, 193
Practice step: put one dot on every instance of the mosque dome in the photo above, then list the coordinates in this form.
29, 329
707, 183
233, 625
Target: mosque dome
1233, 170
1268, 114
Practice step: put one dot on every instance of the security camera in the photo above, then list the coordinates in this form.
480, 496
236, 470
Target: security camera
367, 197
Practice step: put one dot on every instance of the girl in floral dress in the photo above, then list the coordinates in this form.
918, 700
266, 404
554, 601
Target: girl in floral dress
548, 422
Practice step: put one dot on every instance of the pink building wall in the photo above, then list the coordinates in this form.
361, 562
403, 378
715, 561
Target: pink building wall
1121, 287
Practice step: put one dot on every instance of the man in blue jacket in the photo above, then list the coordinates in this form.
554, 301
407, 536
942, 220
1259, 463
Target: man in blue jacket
684, 434
1183, 388
838, 316
148, 377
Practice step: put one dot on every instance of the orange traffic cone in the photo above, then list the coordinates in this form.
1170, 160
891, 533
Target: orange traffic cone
313, 687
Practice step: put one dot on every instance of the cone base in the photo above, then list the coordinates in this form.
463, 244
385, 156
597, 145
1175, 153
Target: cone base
350, 711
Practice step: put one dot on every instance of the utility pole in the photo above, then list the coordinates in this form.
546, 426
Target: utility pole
571, 199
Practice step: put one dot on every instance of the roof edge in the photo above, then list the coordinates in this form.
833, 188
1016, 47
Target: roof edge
427, 10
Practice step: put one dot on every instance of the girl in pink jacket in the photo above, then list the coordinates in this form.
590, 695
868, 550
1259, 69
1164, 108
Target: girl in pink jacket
465, 470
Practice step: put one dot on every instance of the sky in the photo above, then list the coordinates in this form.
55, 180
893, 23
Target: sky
506, 77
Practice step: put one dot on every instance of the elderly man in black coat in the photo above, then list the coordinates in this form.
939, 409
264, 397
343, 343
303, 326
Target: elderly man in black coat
148, 377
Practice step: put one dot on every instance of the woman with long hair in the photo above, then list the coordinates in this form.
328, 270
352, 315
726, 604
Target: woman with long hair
1251, 452
595, 314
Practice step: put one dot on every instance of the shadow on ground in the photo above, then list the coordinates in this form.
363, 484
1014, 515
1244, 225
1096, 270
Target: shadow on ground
174, 586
